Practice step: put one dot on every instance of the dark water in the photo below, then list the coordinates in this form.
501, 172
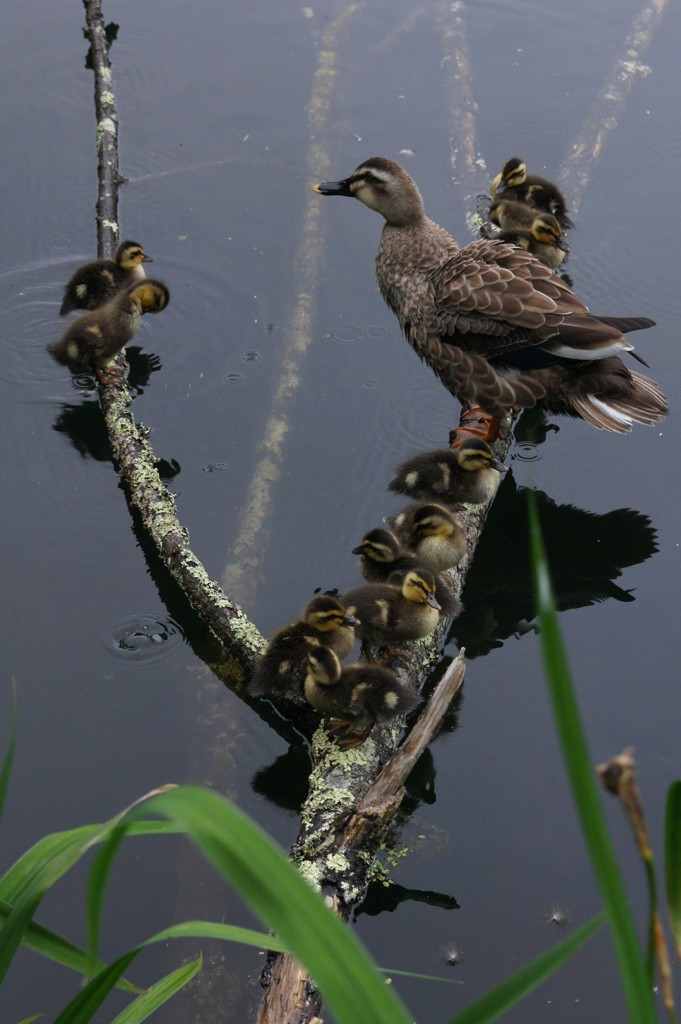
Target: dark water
114, 694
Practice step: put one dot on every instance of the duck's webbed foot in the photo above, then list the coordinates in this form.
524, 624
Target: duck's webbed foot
348, 735
475, 422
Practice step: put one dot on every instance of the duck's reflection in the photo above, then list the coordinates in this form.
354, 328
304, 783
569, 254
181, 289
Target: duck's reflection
586, 553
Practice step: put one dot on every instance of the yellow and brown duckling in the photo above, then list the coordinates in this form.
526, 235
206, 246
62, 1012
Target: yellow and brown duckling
432, 532
515, 183
496, 325
390, 613
468, 473
94, 339
358, 695
382, 556
95, 283
544, 238
283, 664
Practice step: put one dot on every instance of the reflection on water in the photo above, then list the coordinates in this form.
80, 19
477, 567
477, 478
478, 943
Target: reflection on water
586, 553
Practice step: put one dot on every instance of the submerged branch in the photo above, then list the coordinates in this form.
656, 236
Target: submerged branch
602, 121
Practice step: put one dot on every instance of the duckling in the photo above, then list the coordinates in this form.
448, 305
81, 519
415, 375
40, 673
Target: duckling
382, 555
94, 339
544, 239
515, 183
509, 213
432, 532
467, 473
93, 284
389, 613
359, 695
496, 325
282, 666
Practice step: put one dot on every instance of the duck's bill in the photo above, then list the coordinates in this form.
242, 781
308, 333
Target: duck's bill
147, 259
433, 602
351, 620
499, 466
333, 188
562, 244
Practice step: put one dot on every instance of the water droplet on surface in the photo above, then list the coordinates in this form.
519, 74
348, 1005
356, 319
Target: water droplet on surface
234, 378
349, 332
251, 357
142, 638
374, 331
526, 452
85, 382
369, 384
214, 467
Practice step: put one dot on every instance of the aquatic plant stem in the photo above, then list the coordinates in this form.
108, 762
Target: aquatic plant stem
591, 140
137, 461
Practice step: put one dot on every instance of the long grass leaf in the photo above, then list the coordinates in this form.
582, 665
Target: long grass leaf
49, 944
520, 984
579, 764
672, 860
29, 1020
96, 891
86, 1003
158, 994
6, 770
81, 1009
274, 890
39, 873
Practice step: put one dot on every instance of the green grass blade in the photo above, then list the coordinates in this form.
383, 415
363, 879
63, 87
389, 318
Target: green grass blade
35, 873
224, 932
511, 991
580, 770
6, 770
99, 876
29, 1020
274, 890
81, 1009
49, 944
672, 860
158, 994
86, 1003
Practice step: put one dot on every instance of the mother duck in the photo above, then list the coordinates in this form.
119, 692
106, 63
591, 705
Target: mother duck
498, 327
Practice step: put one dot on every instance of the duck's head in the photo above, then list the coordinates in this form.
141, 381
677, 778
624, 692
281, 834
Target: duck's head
326, 614
383, 186
513, 173
151, 296
547, 230
323, 665
474, 454
433, 521
379, 546
419, 587
130, 254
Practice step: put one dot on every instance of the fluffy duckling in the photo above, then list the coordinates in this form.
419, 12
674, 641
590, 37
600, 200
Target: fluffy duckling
93, 284
467, 473
389, 613
544, 239
94, 339
382, 556
515, 183
509, 213
496, 326
282, 666
432, 532
359, 695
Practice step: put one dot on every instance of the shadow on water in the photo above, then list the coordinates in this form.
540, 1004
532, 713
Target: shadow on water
587, 552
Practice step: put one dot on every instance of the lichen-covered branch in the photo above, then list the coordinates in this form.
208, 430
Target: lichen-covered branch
137, 462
